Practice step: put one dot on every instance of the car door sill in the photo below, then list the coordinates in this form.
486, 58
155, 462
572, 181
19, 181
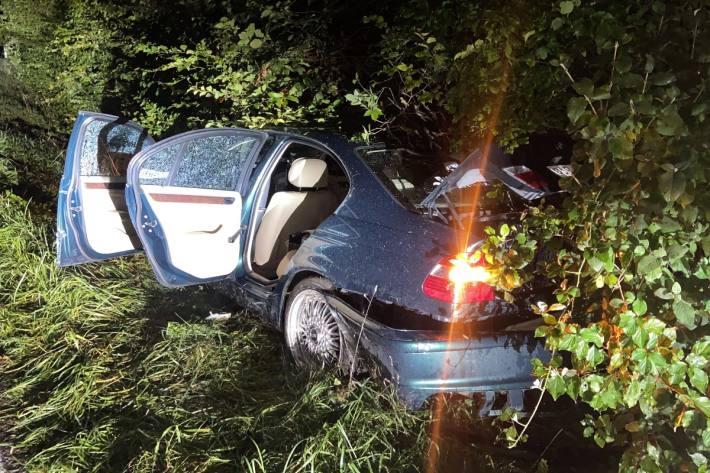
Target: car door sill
258, 289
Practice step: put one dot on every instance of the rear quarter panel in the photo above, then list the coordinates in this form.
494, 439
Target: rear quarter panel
373, 245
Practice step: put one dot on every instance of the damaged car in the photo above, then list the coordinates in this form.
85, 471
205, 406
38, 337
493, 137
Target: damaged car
354, 252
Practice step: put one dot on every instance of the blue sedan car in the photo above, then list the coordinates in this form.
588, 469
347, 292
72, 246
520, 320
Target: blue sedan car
355, 254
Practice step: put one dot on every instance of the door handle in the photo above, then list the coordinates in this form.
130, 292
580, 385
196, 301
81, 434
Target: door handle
234, 237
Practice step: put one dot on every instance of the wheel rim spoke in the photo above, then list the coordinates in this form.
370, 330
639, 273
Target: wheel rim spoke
313, 330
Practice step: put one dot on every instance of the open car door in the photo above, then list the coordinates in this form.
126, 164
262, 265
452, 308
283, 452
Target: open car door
184, 196
92, 219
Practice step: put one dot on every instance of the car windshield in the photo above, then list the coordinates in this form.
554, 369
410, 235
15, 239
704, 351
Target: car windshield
409, 179
478, 187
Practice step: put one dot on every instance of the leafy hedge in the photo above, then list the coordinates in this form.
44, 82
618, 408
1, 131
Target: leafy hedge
633, 238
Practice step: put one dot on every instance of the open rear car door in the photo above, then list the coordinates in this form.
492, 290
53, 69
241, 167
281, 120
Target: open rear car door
184, 196
92, 219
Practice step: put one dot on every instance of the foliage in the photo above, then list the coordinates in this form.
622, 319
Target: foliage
459, 73
26, 143
631, 241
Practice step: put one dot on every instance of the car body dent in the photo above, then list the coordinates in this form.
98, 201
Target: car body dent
422, 363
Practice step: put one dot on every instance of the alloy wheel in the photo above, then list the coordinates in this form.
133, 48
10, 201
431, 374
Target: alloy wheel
312, 331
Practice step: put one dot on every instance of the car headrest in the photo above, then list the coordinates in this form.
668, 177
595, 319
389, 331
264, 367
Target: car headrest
308, 173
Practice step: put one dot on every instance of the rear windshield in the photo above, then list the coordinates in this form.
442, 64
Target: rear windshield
497, 183
409, 179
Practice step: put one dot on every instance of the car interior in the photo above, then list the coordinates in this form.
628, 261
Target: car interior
305, 187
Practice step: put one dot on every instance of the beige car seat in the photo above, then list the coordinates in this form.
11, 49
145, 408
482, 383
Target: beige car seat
292, 212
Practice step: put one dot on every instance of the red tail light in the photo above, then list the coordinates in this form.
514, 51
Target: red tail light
459, 279
529, 177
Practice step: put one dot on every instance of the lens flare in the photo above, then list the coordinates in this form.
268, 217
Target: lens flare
463, 271
438, 407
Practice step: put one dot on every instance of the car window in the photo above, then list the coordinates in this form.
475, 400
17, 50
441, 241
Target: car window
156, 169
108, 147
412, 179
265, 151
409, 179
214, 162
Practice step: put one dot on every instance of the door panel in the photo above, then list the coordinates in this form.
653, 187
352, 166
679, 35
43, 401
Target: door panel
199, 223
108, 229
92, 219
184, 198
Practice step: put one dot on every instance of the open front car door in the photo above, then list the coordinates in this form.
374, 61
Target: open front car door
92, 219
184, 196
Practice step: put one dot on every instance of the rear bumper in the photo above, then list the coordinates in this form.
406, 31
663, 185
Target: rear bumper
423, 363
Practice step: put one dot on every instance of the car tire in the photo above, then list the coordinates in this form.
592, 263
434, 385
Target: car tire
311, 329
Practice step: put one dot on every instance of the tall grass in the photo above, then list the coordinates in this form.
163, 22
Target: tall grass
104, 371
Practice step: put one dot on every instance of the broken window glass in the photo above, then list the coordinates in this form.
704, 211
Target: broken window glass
214, 162
156, 169
108, 146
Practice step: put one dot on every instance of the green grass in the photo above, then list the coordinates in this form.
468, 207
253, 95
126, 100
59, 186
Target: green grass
103, 370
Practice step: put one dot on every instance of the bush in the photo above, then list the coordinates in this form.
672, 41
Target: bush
631, 242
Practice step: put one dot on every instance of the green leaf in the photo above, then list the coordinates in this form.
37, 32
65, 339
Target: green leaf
672, 185
640, 337
592, 335
584, 87
621, 147
702, 403
699, 379
633, 393
575, 108
677, 372
702, 347
511, 433
677, 251
699, 459
631, 81
566, 7
556, 385
648, 264
256, 43
654, 325
684, 313
640, 356
670, 123
620, 109
607, 258
656, 361
662, 78
639, 306
650, 63
623, 63
504, 230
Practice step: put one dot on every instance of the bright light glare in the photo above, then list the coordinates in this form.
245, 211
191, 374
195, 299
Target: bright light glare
462, 271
